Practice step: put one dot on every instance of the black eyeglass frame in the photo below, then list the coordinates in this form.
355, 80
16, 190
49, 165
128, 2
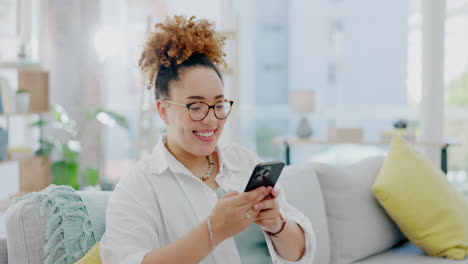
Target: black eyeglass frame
209, 107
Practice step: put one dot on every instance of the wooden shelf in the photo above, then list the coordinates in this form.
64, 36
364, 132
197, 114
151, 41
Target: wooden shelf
17, 160
27, 113
36, 83
34, 173
18, 65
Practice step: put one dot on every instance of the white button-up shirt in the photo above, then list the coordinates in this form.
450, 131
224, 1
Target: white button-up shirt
160, 200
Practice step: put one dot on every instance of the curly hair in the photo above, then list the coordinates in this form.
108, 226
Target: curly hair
178, 43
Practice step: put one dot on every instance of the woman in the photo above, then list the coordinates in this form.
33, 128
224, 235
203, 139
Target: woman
185, 203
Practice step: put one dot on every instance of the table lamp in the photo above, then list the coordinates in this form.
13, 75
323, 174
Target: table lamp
303, 102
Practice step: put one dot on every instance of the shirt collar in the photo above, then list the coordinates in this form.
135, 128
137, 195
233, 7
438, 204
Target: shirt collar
159, 156
224, 160
162, 159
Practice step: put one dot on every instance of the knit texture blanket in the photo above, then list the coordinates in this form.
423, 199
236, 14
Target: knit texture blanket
76, 221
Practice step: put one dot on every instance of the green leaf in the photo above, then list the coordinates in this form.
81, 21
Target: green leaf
40, 123
46, 147
21, 91
60, 114
70, 156
65, 174
56, 113
90, 176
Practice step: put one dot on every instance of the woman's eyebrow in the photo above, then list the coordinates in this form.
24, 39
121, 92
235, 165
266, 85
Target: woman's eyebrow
202, 98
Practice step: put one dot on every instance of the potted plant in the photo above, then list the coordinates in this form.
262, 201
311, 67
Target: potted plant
22, 99
65, 149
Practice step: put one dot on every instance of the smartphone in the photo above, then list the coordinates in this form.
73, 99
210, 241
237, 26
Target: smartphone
265, 174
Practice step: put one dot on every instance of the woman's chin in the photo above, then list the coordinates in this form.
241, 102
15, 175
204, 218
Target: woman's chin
205, 150
204, 146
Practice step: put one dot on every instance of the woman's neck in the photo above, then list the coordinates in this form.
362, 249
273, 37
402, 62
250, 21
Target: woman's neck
189, 160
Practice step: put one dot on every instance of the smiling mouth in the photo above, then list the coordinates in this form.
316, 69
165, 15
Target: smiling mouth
205, 136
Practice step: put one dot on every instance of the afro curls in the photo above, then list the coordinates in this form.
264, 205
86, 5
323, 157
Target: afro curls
176, 39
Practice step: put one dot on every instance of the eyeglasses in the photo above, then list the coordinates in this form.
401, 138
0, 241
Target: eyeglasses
199, 110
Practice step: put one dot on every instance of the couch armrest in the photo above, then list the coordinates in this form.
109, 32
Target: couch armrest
25, 229
3, 251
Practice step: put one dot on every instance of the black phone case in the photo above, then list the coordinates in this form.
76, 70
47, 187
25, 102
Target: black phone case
265, 174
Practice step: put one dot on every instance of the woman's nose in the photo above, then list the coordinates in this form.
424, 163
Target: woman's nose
210, 117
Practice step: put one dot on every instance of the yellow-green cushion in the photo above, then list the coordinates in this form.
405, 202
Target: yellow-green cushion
92, 257
424, 205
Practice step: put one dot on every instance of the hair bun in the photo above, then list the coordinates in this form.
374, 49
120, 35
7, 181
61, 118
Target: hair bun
176, 39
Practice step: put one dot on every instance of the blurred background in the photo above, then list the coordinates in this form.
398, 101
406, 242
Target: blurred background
324, 80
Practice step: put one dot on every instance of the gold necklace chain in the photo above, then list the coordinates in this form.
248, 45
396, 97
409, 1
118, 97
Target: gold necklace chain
210, 170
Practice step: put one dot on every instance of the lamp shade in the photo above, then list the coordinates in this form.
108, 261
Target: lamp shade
303, 101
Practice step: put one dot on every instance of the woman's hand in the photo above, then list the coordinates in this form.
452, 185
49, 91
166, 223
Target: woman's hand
234, 212
268, 213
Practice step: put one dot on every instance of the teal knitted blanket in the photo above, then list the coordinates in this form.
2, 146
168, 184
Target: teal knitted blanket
76, 221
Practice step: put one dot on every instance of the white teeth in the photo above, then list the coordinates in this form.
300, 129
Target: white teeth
209, 134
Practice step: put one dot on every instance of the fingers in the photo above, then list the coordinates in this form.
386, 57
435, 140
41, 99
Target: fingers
267, 217
251, 215
248, 199
267, 214
275, 192
257, 193
268, 203
255, 199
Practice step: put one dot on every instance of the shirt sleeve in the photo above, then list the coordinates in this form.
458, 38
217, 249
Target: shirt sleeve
294, 215
132, 228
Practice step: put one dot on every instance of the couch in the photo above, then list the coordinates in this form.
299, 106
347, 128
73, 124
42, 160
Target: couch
350, 225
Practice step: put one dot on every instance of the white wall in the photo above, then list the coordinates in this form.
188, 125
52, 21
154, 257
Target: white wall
70, 57
371, 58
